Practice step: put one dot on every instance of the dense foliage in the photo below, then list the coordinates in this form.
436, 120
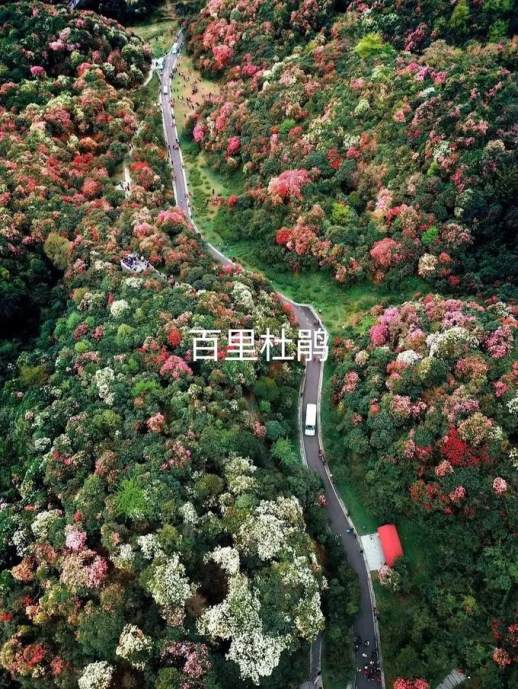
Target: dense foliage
428, 401
359, 158
378, 140
156, 528
39, 42
122, 10
241, 33
64, 131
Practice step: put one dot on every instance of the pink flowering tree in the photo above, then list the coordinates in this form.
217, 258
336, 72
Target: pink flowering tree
288, 185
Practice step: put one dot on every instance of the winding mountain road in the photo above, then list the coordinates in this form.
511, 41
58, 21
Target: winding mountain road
366, 625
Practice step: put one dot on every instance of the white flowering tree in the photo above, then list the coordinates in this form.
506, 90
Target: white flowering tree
266, 530
170, 588
134, 646
266, 533
237, 619
226, 557
239, 472
298, 575
96, 676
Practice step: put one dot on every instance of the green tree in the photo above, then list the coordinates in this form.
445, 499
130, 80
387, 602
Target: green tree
285, 452
459, 20
57, 249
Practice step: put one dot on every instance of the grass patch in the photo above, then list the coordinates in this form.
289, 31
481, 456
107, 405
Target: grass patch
158, 30
189, 84
147, 96
206, 186
392, 611
338, 306
419, 551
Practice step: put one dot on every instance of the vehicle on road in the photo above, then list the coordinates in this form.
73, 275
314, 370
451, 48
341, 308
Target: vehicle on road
165, 90
311, 419
369, 673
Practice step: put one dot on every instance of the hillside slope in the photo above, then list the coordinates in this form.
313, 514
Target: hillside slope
156, 527
377, 141
360, 158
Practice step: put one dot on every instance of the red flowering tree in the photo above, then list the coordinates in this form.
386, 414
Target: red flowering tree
288, 185
401, 683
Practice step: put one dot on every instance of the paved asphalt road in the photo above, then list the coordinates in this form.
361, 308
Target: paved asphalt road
365, 624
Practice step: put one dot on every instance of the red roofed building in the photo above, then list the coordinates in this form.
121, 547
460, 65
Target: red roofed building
390, 543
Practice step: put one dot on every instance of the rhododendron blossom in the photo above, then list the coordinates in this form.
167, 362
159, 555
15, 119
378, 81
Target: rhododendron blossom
499, 342
427, 265
156, 423
457, 494
233, 145
384, 252
379, 334
222, 54
75, 539
401, 683
37, 71
501, 657
175, 367
195, 657
289, 184
443, 468
499, 485
172, 216
198, 133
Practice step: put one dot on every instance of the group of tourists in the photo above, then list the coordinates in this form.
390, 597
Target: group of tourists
367, 659
190, 82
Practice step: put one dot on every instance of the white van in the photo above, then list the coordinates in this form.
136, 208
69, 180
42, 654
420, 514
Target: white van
311, 419
165, 90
